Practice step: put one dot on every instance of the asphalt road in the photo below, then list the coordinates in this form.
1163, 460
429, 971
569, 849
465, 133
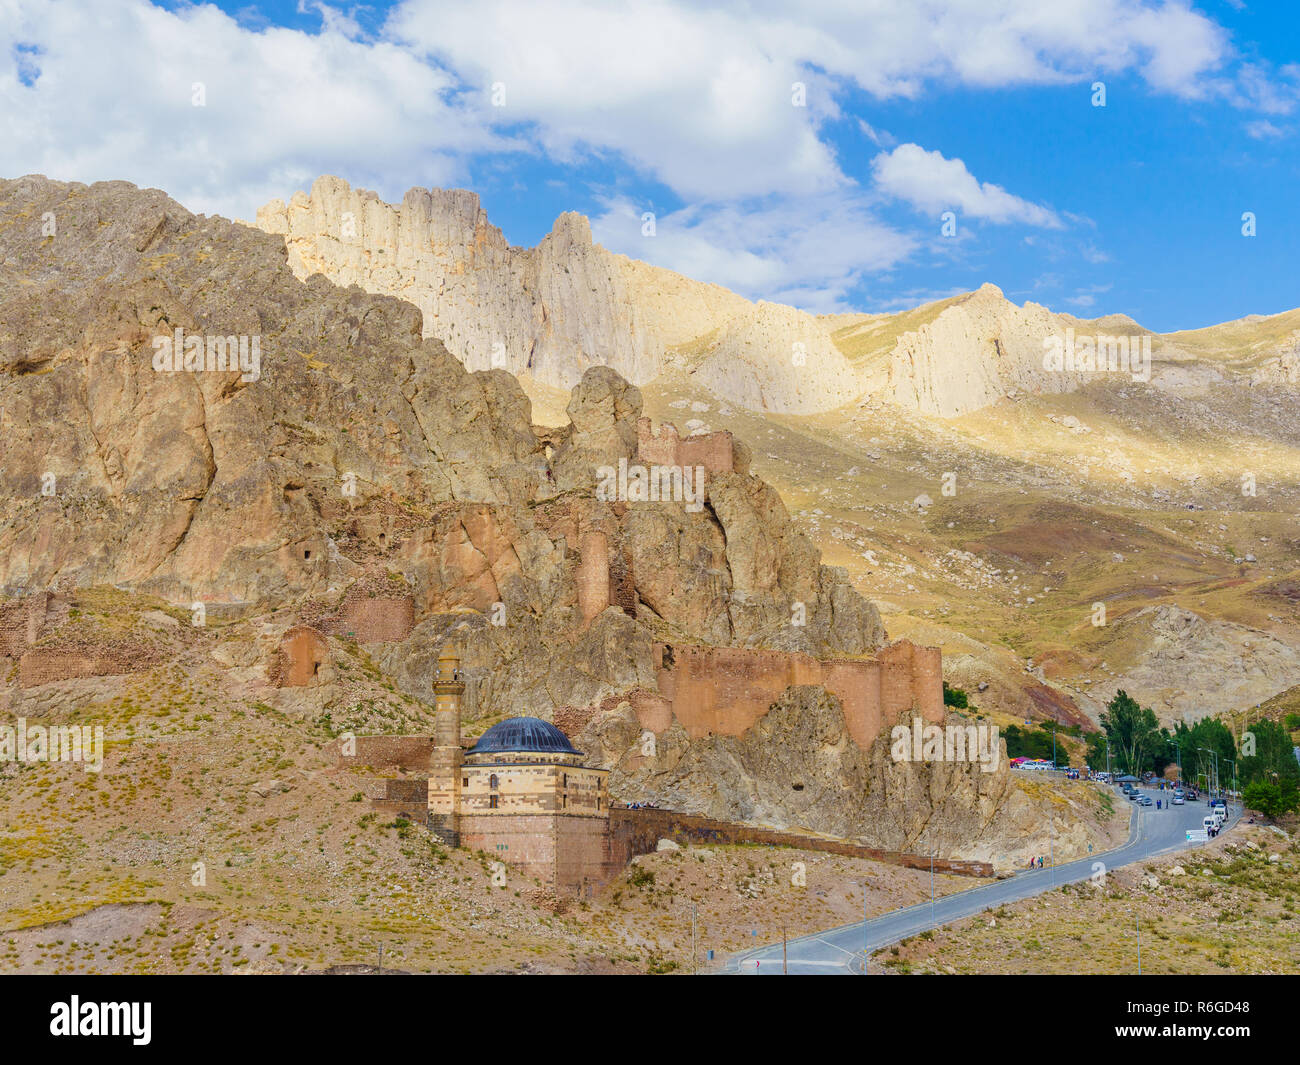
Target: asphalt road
840, 950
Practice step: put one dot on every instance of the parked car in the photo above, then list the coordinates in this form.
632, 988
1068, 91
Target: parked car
1144, 800
1178, 800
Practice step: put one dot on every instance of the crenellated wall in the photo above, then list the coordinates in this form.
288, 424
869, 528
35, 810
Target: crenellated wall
725, 690
714, 451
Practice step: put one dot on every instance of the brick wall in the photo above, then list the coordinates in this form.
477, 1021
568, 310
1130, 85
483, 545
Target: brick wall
725, 690
386, 619
714, 451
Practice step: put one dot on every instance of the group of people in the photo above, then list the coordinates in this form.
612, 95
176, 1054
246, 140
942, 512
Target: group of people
643, 805
1036, 863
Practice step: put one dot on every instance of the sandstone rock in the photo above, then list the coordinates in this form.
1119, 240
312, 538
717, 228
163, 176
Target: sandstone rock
668, 845
552, 311
603, 413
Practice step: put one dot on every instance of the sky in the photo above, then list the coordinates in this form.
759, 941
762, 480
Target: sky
1094, 156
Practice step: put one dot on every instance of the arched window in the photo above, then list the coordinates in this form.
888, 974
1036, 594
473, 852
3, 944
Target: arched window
493, 783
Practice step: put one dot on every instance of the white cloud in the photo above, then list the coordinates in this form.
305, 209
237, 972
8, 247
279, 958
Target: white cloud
810, 252
932, 183
113, 85
1263, 129
695, 97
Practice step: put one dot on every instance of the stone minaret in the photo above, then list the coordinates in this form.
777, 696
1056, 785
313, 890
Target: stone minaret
445, 762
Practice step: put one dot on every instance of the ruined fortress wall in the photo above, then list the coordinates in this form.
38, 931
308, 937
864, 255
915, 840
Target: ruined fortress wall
387, 619
21, 622
656, 449
714, 451
48, 665
857, 686
912, 677
726, 690
390, 752
593, 577
634, 832
407, 797
303, 650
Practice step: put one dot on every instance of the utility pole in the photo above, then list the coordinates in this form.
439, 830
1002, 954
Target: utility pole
932, 921
381, 957
864, 927
1137, 924
785, 968
695, 953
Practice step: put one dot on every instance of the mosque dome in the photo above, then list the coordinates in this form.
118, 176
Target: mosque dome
528, 734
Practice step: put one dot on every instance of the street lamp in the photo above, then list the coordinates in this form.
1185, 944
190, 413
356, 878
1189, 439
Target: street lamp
1215, 755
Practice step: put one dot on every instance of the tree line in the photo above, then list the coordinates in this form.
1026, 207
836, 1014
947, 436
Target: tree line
1266, 768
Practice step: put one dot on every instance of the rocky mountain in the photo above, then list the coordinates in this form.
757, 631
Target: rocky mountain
197, 413
352, 466
552, 311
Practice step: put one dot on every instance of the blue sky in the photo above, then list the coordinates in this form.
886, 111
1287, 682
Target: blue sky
912, 108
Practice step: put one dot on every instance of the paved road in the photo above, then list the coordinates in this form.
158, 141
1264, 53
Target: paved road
840, 950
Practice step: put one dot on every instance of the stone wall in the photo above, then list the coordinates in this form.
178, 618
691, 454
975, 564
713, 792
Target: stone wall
634, 832
390, 752
48, 664
303, 650
593, 575
374, 619
570, 855
404, 797
725, 690
714, 451
22, 621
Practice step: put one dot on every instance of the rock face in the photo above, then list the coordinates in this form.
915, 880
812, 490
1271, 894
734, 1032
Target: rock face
1191, 666
552, 311
357, 448
211, 484
352, 480
557, 309
799, 768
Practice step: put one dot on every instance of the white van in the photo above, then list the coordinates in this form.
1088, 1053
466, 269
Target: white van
1209, 821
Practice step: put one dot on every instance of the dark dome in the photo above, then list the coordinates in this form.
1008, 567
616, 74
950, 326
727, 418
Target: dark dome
530, 734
